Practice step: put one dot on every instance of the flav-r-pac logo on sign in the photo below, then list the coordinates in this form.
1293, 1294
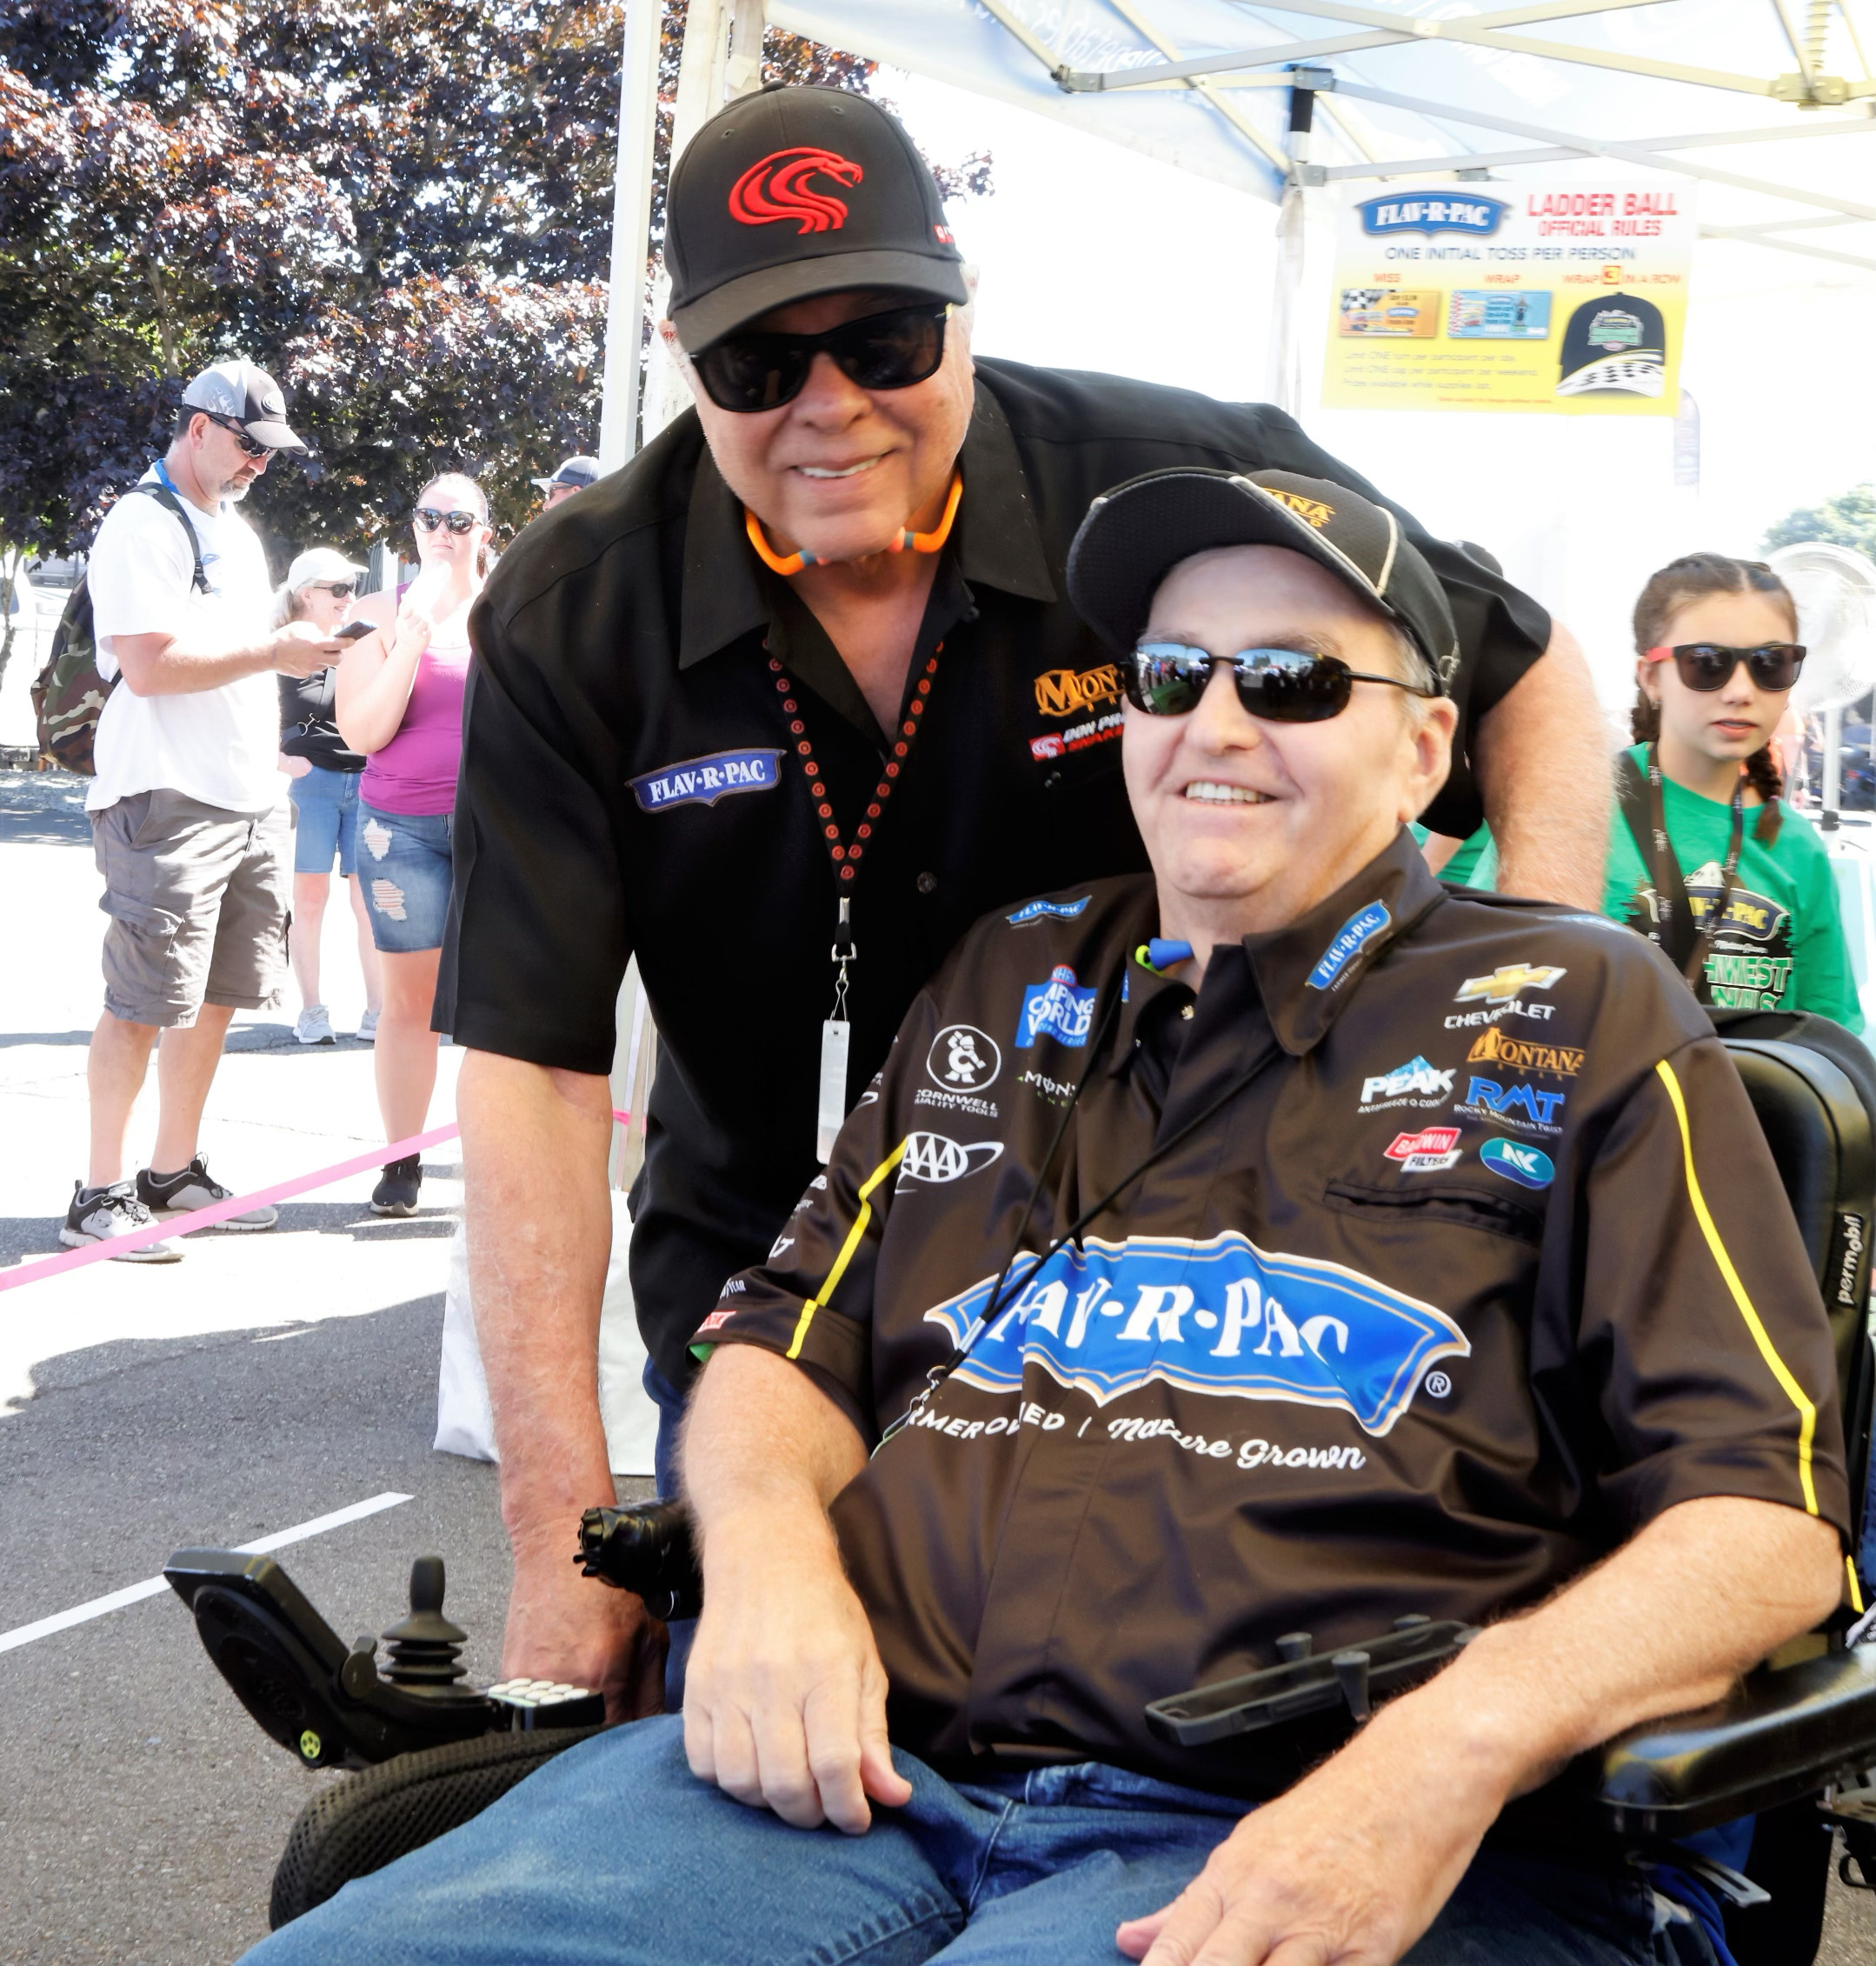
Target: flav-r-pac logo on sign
1221, 1316
1423, 212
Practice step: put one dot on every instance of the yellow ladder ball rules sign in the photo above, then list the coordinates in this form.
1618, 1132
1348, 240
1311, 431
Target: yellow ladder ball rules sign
1570, 299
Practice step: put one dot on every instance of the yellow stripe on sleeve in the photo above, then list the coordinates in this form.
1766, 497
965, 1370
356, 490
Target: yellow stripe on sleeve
848, 1248
1807, 1414
1856, 1589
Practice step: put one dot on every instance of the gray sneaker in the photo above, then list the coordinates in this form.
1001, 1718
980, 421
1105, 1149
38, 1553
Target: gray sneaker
193, 1188
368, 1028
314, 1026
99, 1215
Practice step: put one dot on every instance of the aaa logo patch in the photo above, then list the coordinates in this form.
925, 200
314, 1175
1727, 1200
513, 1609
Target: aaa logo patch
1221, 1316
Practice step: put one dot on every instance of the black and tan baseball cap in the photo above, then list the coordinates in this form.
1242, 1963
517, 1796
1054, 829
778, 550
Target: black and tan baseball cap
248, 396
793, 192
1136, 534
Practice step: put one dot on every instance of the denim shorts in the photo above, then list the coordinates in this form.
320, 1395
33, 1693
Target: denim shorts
325, 807
403, 860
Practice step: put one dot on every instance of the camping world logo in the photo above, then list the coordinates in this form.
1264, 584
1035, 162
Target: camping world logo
932, 1158
1222, 1316
777, 189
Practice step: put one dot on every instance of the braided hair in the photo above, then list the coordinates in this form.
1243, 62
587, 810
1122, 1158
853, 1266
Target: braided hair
1690, 578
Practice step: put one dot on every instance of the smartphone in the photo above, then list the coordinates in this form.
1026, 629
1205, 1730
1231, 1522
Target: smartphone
353, 631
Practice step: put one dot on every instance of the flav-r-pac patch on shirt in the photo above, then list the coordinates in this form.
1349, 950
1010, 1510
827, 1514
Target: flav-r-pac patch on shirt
702, 781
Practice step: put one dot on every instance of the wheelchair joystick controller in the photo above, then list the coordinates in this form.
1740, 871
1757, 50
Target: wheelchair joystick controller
426, 1649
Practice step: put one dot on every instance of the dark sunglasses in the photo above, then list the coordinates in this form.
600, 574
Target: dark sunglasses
458, 522
1706, 665
752, 371
1280, 685
241, 436
341, 590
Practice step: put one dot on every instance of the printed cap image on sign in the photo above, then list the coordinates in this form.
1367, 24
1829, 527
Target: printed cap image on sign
1219, 1316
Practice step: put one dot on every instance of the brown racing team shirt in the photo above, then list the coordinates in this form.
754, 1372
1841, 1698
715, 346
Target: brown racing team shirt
1486, 1266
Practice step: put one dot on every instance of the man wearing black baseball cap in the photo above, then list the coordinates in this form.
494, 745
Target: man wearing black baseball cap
781, 708
574, 474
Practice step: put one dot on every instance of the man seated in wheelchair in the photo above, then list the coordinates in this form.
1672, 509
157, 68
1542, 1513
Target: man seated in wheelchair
1280, 1242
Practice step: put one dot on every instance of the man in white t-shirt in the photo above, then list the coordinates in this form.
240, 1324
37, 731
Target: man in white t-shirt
188, 820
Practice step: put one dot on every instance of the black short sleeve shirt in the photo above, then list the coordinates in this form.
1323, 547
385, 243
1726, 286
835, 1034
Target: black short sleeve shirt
633, 780
1486, 1267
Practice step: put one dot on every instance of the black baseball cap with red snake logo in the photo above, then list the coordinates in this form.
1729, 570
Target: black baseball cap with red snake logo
793, 192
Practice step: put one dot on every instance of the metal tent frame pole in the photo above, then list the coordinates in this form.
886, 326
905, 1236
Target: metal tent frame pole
631, 229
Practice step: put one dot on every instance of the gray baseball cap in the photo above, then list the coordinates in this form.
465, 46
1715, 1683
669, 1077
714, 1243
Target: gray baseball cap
250, 397
582, 472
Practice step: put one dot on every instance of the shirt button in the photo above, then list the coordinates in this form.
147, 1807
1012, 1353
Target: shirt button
928, 883
1186, 1011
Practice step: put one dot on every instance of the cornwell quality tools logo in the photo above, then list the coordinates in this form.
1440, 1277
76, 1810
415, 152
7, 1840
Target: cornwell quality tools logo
1492, 1046
1058, 1008
1350, 940
1507, 981
1415, 1083
702, 781
1477, 217
1221, 1316
777, 188
1432, 1150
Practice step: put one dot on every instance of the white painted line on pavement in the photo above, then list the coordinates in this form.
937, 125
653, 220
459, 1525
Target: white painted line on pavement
96, 1607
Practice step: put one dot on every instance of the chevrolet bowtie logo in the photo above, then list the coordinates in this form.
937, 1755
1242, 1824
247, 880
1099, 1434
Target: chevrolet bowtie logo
1507, 982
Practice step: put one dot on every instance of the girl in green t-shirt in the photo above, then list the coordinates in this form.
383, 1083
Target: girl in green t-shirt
1716, 640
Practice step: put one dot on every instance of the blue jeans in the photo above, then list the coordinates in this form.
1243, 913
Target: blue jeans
670, 1404
615, 1854
404, 861
325, 820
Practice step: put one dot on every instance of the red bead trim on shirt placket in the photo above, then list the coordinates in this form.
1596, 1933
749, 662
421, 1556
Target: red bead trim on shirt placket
845, 858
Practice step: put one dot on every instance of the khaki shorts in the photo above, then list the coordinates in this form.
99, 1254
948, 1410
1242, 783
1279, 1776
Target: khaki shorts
197, 898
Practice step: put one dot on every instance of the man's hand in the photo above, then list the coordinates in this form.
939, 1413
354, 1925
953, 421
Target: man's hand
564, 1626
301, 650
1349, 1868
785, 1697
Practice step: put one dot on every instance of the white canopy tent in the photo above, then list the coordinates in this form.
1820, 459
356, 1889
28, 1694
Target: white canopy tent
1283, 101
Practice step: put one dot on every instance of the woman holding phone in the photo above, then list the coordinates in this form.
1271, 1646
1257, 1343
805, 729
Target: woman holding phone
400, 703
1704, 856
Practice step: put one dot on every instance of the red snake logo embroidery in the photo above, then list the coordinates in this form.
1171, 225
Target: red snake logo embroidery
775, 189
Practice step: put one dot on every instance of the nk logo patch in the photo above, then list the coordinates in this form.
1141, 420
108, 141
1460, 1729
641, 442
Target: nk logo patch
1351, 939
1058, 1008
1530, 1167
1222, 1316
702, 781
1045, 911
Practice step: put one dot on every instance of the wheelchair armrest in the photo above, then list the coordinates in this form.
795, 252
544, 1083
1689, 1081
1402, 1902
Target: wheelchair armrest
1780, 1735
648, 1551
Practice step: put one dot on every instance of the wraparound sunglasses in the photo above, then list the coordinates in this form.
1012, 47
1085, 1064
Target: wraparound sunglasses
747, 372
1709, 665
1280, 685
458, 522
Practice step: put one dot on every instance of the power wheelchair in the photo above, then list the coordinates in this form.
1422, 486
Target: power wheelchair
1794, 1744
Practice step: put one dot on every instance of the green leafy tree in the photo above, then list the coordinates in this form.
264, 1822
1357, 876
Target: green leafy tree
1847, 520
403, 210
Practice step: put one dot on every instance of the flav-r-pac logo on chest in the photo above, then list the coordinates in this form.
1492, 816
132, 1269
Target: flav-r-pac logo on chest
1354, 934
1221, 1316
702, 781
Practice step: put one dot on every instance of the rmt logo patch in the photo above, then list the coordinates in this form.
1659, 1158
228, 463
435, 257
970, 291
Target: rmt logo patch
1221, 1316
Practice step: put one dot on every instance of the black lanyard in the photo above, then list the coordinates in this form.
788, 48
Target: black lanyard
1001, 1296
1687, 946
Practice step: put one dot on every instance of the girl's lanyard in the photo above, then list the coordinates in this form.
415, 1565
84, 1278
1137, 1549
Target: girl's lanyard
830, 1110
1668, 882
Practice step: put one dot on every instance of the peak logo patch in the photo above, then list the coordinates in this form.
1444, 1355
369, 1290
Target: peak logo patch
1221, 1316
1418, 1083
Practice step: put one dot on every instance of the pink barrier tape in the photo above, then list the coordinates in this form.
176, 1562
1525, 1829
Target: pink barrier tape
219, 1212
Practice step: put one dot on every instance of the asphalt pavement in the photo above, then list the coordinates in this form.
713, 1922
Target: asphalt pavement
262, 1383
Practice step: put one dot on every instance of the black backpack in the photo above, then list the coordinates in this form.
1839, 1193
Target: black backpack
68, 695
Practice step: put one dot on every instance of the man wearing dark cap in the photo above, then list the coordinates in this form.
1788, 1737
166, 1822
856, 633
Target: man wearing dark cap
574, 474
1203, 1333
782, 707
189, 817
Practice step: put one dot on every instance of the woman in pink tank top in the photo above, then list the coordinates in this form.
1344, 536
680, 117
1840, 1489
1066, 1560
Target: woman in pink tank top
399, 702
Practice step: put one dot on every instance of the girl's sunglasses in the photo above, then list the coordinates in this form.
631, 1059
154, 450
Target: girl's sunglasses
754, 371
1280, 685
1706, 665
458, 522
